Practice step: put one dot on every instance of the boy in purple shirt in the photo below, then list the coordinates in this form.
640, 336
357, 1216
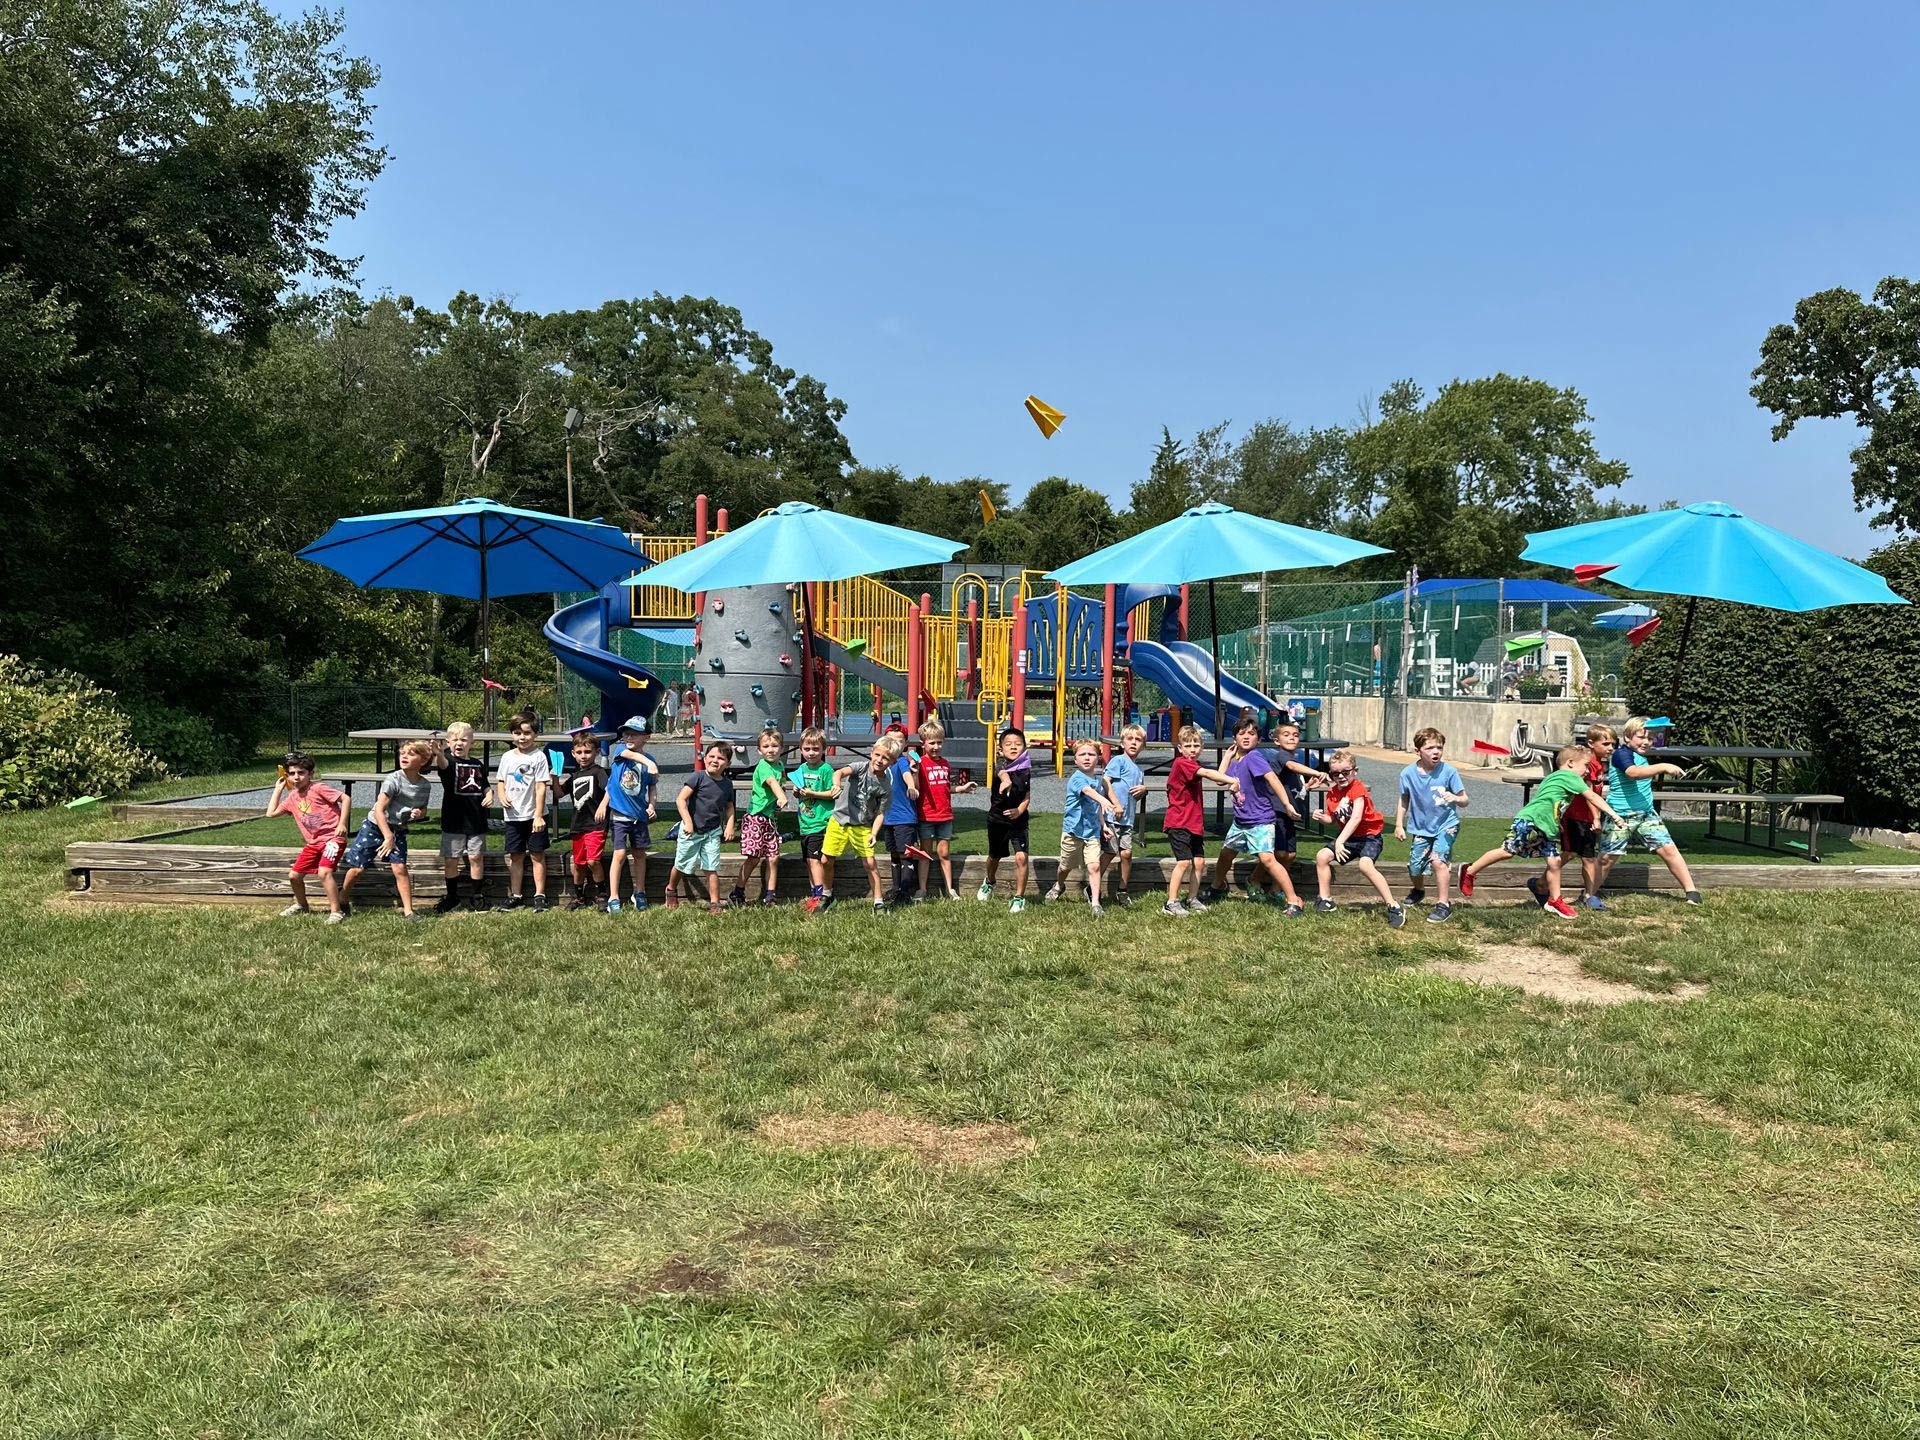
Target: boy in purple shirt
1258, 799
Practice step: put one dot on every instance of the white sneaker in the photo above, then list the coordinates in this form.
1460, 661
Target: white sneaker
292, 910
337, 917
1056, 893
985, 892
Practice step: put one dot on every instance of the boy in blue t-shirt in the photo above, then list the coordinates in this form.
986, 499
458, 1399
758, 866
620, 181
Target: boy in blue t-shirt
1088, 811
629, 803
1432, 794
903, 819
1297, 777
1126, 785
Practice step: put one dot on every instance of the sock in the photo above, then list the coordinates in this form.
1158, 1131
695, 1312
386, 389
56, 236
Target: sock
453, 887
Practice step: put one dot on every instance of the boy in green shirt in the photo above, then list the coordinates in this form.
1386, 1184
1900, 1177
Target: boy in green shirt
1536, 830
760, 835
813, 787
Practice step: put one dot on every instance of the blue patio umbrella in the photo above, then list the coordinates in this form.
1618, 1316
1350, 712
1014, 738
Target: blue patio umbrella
1711, 551
1205, 543
797, 542
475, 550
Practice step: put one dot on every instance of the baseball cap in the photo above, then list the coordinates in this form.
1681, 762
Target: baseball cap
635, 723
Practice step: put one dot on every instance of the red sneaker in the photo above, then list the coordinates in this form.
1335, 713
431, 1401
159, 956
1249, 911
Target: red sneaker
1559, 907
1466, 884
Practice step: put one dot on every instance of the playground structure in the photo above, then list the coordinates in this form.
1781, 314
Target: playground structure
987, 654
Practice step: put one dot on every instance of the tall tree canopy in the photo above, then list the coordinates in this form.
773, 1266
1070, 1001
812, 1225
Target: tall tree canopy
1845, 356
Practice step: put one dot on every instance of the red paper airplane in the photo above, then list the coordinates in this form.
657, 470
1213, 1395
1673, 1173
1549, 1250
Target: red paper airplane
1487, 747
1591, 572
1643, 630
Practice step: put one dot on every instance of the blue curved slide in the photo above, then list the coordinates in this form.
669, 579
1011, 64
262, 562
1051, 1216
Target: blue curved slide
1184, 673
578, 635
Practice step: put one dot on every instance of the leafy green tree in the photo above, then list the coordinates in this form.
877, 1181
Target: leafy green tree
1845, 356
1170, 487
1453, 485
1067, 521
1295, 476
168, 170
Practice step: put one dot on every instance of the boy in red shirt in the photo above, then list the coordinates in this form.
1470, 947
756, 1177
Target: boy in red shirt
1580, 824
1186, 820
322, 813
935, 802
1349, 804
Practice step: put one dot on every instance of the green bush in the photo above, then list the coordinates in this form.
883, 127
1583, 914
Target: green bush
64, 738
1746, 671
1866, 689
187, 744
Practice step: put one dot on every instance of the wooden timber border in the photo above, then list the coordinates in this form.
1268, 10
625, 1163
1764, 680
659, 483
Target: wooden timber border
151, 870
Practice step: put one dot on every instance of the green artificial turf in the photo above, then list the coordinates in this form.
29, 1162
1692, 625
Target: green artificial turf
952, 1173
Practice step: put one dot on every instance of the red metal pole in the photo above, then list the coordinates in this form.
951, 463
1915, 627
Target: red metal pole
916, 658
1106, 662
926, 613
699, 610
1185, 611
1018, 708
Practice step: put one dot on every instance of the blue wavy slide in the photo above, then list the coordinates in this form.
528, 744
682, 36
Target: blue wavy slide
578, 635
1184, 673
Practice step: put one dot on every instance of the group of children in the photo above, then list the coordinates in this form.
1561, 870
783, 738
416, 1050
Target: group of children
844, 810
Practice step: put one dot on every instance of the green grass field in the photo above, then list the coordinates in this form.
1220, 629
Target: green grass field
952, 1173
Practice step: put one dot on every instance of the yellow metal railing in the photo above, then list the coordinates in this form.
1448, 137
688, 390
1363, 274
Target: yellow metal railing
942, 639
660, 604
864, 609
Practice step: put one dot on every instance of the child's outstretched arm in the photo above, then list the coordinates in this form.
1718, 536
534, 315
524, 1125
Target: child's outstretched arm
273, 800
1280, 794
1340, 850
379, 814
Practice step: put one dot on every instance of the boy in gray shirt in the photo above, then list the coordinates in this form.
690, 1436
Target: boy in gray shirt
403, 799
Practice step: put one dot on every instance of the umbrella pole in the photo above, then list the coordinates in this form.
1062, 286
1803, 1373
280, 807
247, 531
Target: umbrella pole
486, 640
1213, 620
1680, 659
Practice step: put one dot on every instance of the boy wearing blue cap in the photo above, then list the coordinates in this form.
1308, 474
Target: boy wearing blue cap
629, 801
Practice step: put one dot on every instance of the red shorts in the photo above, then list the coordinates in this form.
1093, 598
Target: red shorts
319, 855
588, 848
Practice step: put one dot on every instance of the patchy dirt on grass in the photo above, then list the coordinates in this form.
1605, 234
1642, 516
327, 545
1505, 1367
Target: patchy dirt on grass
1552, 974
1698, 1107
775, 1234
680, 1276
23, 1129
989, 1143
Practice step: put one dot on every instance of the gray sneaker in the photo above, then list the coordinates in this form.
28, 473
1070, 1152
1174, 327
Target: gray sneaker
1323, 905
1057, 893
1197, 906
1174, 907
1094, 906
337, 917
1396, 915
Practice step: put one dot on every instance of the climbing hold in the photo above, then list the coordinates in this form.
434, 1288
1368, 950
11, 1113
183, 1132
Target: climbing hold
786, 659
759, 692
741, 636
717, 663
776, 606
719, 605
794, 698
798, 638
726, 707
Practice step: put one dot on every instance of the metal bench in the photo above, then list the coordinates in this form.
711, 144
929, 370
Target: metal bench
1774, 802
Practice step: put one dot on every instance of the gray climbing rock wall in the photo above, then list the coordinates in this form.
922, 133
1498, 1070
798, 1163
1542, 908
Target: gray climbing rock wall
747, 662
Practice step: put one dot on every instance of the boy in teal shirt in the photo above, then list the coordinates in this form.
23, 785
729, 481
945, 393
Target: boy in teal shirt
1536, 830
813, 788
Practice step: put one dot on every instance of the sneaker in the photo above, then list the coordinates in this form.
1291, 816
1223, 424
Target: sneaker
1197, 906
1561, 909
736, 896
985, 892
337, 917
1594, 902
1018, 907
1416, 896
768, 900
448, 903
477, 903
1466, 884
578, 902
1693, 897
1534, 889
613, 905
879, 907
513, 902
411, 917
1123, 899
540, 906
1056, 894
1094, 907
1174, 907
1396, 916
1295, 910
713, 909
1324, 905
1440, 914
1212, 894
637, 903
293, 910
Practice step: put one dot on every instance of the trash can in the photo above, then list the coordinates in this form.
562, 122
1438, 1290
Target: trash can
1304, 710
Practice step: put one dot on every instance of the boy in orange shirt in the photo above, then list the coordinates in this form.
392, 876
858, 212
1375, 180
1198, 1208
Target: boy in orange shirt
1349, 804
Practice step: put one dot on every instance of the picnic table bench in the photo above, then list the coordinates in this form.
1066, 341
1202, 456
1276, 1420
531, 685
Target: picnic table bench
1745, 794
398, 735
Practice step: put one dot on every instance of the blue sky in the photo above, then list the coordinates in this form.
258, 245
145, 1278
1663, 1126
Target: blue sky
1161, 214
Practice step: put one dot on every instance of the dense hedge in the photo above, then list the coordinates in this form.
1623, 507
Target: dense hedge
64, 738
1844, 683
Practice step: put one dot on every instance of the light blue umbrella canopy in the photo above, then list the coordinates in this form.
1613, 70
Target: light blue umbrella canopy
1624, 617
1207, 542
796, 542
1712, 552
475, 550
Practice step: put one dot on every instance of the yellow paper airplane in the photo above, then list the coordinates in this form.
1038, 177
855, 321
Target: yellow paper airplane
634, 682
1044, 415
986, 509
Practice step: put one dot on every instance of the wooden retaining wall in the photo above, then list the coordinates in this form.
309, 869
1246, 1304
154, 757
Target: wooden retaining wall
153, 870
